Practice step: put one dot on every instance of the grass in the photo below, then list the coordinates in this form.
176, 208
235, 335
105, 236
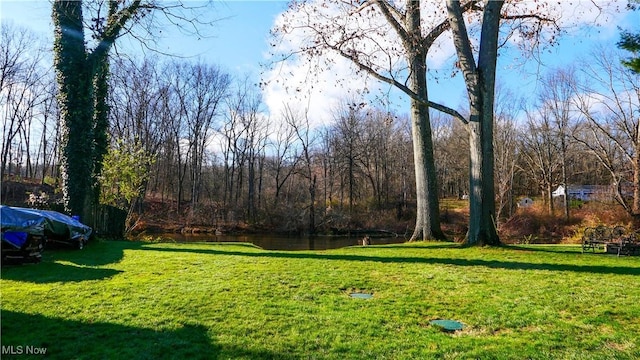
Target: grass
117, 300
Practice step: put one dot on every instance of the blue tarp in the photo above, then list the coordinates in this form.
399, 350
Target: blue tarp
15, 238
18, 219
42, 222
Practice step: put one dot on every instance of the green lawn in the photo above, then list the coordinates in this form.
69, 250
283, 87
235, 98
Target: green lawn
124, 300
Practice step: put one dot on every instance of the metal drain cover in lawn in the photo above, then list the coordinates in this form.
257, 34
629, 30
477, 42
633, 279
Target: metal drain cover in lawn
448, 325
365, 296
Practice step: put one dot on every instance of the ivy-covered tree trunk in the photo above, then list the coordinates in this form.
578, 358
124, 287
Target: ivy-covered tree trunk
635, 206
100, 66
82, 77
101, 114
75, 99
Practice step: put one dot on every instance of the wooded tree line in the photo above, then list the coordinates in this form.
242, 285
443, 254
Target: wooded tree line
191, 136
389, 41
163, 134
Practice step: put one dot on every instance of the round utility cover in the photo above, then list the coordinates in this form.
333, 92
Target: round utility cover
447, 325
361, 296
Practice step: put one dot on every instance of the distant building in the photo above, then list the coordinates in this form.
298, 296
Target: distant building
525, 202
584, 192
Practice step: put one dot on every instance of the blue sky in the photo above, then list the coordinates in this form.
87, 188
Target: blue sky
239, 44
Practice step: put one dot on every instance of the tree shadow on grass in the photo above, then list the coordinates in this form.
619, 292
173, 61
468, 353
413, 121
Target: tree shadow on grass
418, 245
493, 264
564, 250
50, 272
66, 339
96, 252
83, 264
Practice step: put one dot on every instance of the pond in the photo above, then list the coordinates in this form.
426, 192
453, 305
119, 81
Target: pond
274, 242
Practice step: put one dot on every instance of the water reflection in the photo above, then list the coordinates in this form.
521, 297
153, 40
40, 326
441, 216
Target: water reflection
271, 242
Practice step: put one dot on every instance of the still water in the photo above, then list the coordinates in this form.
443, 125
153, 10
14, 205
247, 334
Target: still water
271, 242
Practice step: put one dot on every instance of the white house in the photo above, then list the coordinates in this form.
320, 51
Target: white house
582, 192
525, 202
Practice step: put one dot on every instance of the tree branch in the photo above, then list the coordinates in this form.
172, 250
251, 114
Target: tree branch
390, 14
442, 108
462, 44
445, 25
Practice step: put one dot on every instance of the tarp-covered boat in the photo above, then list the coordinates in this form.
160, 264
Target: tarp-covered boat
24, 231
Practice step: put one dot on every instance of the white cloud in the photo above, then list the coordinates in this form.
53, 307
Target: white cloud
317, 93
320, 84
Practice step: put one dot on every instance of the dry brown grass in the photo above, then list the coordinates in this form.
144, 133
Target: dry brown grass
537, 225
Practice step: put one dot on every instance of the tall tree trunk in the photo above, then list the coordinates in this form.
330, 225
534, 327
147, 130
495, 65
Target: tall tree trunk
251, 188
312, 206
428, 212
635, 207
549, 196
428, 208
480, 83
100, 65
351, 176
82, 78
476, 191
565, 198
75, 98
487, 59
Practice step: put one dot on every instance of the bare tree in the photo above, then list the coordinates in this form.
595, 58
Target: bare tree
136, 102
376, 160
137, 115
300, 124
535, 26
452, 162
349, 145
247, 108
507, 149
284, 160
175, 149
540, 152
200, 102
480, 79
363, 158
49, 115
556, 97
20, 89
608, 99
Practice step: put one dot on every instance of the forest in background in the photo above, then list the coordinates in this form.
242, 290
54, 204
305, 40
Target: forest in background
190, 146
